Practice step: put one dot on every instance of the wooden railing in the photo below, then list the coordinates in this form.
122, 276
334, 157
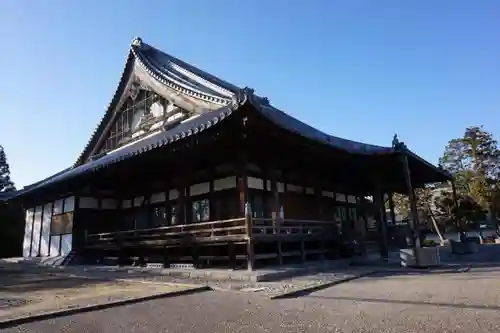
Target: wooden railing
232, 229
265, 227
239, 229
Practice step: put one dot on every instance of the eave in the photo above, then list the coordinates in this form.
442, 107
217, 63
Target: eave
169, 75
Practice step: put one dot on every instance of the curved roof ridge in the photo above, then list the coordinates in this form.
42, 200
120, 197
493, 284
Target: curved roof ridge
293, 124
133, 55
154, 69
210, 78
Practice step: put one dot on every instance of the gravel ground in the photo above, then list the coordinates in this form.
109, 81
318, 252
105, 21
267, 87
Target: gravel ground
271, 288
404, 302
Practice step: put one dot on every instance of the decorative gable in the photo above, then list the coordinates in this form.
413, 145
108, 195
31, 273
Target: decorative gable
144, 112
156, 92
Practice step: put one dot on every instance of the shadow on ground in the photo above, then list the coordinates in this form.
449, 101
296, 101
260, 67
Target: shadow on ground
20, 284
392, 301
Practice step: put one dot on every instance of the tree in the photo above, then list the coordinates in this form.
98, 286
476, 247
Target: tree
401, 205
6, 184
463, 215
11, 215
424, 202
474, 161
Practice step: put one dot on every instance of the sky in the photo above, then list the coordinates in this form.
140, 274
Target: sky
362, 69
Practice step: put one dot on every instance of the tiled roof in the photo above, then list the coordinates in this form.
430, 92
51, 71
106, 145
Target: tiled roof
189, 80
4, 196
160, 139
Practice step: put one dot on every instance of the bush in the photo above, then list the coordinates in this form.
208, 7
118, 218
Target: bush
429, 243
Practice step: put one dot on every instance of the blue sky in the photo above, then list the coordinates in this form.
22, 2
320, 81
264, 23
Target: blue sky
363, 70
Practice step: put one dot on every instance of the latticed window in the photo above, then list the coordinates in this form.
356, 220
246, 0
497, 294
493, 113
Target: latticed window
200, 210
129, 119
159, 216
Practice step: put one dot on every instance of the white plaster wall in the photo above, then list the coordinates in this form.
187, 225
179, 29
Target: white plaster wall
88, 203
109, 203
327, 194
156, 109
46, 219
28, 227
69, 204
200, 188
55, 241
66, 243
225, 183
58, 207
340, 197
256, 183
157, 197
138, 201
37, 224
294, 188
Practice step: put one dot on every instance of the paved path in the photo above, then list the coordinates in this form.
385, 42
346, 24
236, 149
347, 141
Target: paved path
398, 302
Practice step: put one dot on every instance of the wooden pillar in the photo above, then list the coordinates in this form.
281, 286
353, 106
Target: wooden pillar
378, 201
243, 187
413, 206
275, 213
181, 203
245, 208
168, 222
319, 198
249, 229
276, 200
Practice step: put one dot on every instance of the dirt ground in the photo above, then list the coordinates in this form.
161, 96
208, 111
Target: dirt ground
391, 302
447, 300
24, 294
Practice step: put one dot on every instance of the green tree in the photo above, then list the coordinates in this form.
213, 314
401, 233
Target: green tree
474, 160
11, 215
463, 215
6, 183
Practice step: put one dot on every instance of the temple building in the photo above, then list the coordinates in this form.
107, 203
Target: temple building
185, 168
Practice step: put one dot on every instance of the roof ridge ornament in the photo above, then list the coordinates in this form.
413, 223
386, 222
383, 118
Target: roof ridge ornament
398, 145
264, 101
137, 41
241, 97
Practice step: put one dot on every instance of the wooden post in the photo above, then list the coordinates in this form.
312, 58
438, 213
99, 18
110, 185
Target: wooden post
455, 204
249, 229
178, 184
276, 201
391, 207
413, 206
378, 200
319, 198
277, 217
302, 244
